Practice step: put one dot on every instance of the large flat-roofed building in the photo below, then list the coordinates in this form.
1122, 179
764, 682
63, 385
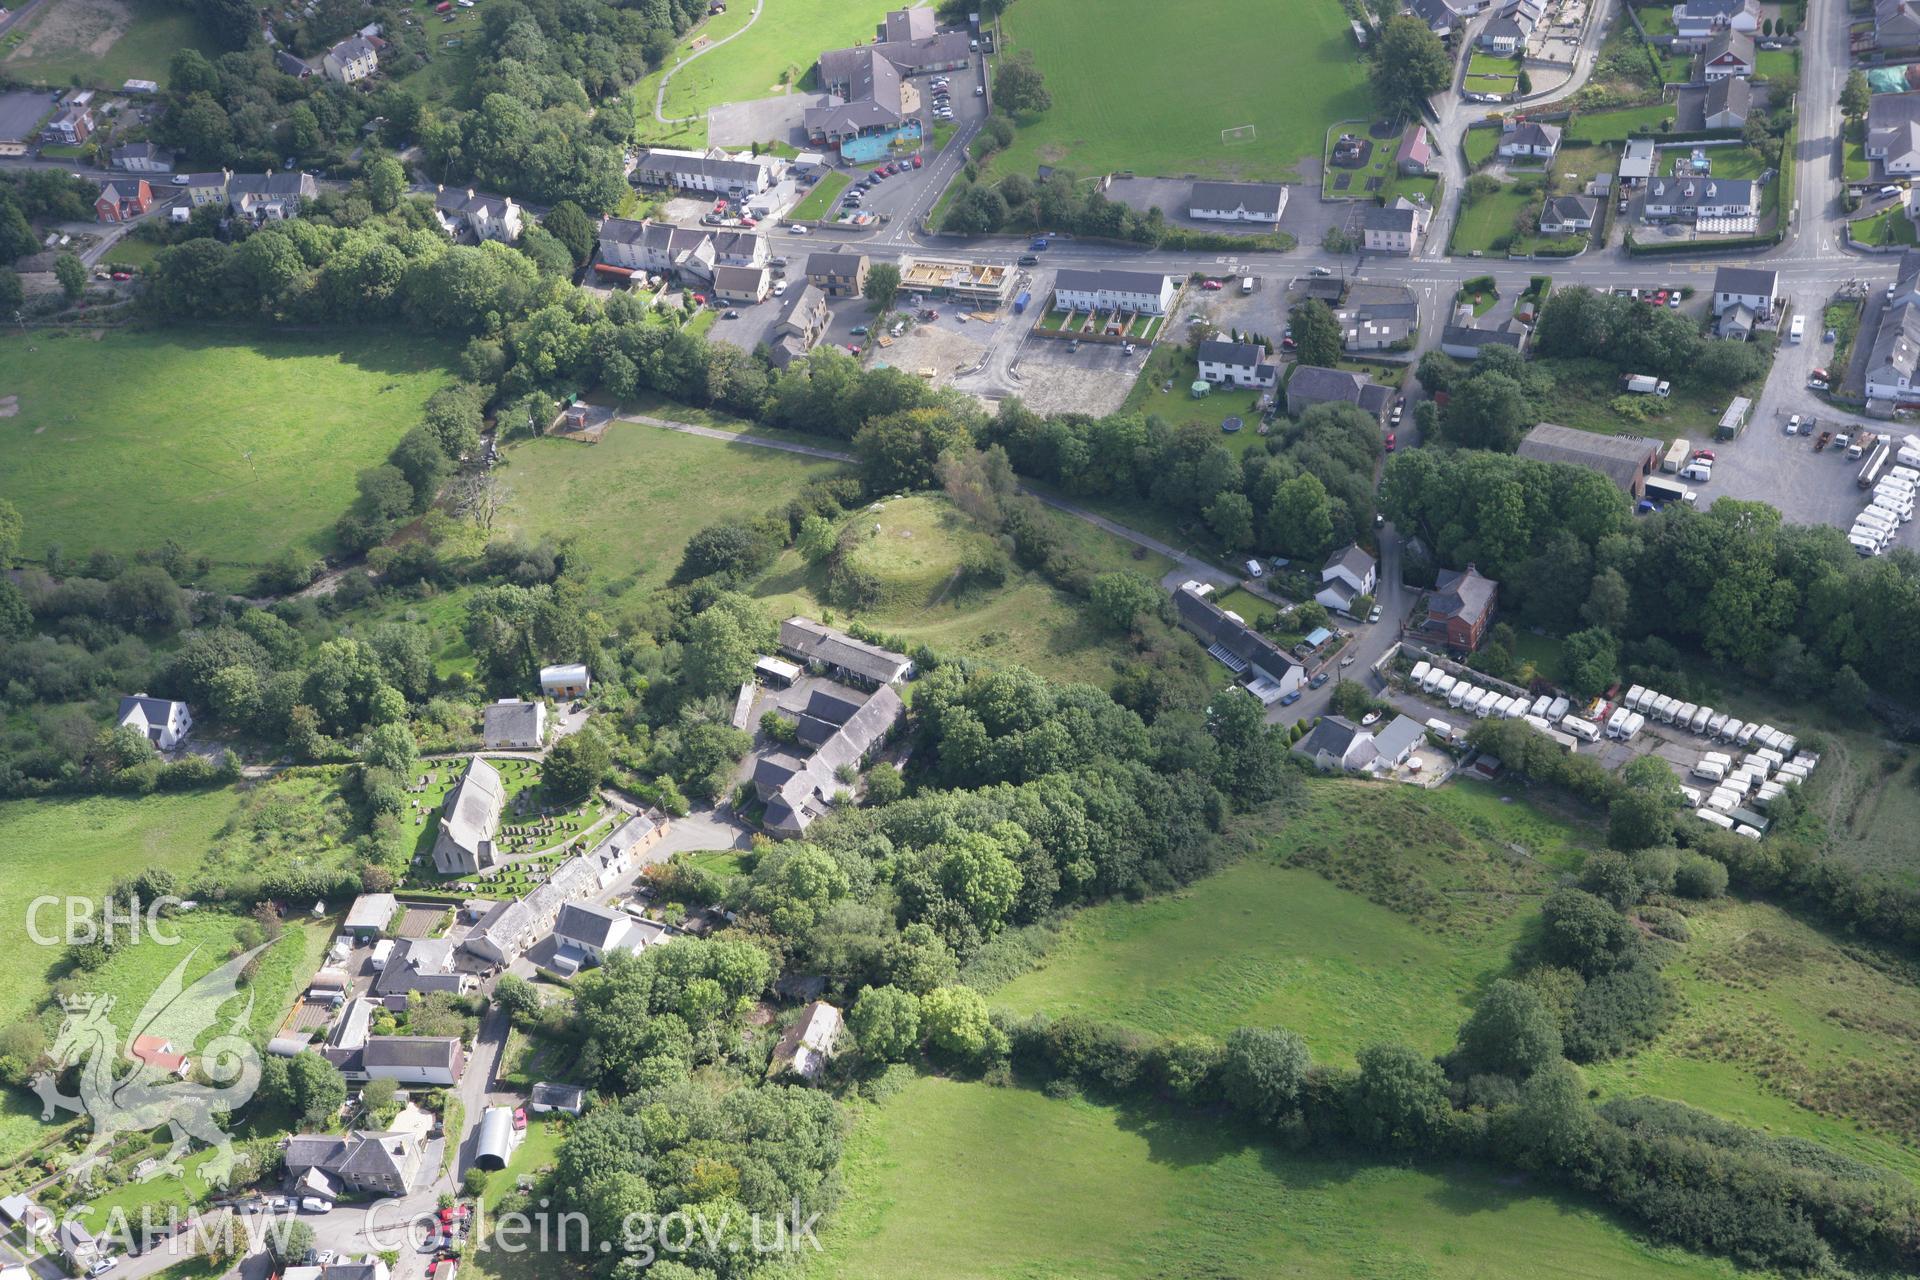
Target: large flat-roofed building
988, 282
1625, 460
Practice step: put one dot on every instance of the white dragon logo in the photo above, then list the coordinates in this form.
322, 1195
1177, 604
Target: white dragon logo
149, 1096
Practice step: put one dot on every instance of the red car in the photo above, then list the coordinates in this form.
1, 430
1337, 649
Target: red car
916, 159
1703, 455
1210, 285
700, 299
1392, 440
123, 275
852, 350
519, 1117
1288, 344
881, 172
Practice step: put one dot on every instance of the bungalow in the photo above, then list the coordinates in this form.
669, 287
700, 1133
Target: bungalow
1230, 641
1395, 228
742, 284
1460, 607
484, 217
1893, 133
1347, 575
419, 966
838, 275
1311, 385
1752, 287
464, 842
585, 933
1415, 156
1693, 198
351, 61
1337, 743
1728, 53
805, 1047
845, 658
1465, 341
1566, 215
1142, 292
1697, 19
1261, 202
162, 721
1528, 140
407, 1060
140, 157
565, 680
378, 1164
1728, 103
1243, 364
1736, 323
512, 724
1511, 28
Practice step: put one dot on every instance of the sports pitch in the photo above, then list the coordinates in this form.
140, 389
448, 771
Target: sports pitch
1168, 89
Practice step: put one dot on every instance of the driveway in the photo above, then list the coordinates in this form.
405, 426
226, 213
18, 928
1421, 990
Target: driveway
1372, 639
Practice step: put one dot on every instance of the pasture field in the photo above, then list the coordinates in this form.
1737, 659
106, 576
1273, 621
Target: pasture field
103, 43
254, 443
774, 56
1150, 86
917, 557
959, 1181
1289, 936
635, 498
1792, 1030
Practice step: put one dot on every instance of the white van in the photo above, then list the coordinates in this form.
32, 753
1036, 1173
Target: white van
1246, 285
1798, 329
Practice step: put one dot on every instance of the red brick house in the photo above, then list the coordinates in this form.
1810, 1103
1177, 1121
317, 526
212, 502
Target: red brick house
123, 199
1460, 607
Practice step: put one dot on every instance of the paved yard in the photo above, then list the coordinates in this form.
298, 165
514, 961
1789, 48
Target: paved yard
740, 124
755, 324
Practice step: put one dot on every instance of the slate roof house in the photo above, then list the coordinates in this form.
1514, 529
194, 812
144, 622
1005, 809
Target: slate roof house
269, 197
712, 170
1243, 364
484, 217
1699, 18
163, 721
1893, 132
797, 790
845, 658
638, 248
122, 200
1896, 24
1460, 607
380, 1164
1464, 340
1261, 202
742, 284
1753, 287
838, 275
1337, 743
514, 725
469, 820
1443, 17
1377, 325
140, 157
585, 933
419, 966
1311, 385
1528, 140
1566, 215
1143, 292
1689, 199
1395, 228
1728, 53
1237, 646
1347, 574
351, 61
550, 1096
866, 85
407, 1060
1729, 101
1895, 357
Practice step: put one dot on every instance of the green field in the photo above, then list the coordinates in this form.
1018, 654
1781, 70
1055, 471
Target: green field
917, 556
821, 198
1728, 162
1480, 144
1289, 936
635, 498
1488, 218
248, 446
103, 43
1790, 1030
1584, 389
1127, 89
1890, 228
774, 56
956, 1181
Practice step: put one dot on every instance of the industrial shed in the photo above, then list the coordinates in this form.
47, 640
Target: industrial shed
1625, 460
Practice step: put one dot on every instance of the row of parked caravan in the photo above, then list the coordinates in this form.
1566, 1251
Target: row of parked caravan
1760, 776
1707, 722
1889, 506
1544, 711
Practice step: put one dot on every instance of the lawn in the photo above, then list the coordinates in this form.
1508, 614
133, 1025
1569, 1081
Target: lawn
1482, 63
1857, 168
456, 48
1380, 179
103, 43
261, 438
1888, 228
1150, 87
1376, 911
1480, 144
821, 198
132, 251
774, 56
917, 556
1127, 1193
1179, 407
1727, 162
1488, 218
1619, 124
635, 498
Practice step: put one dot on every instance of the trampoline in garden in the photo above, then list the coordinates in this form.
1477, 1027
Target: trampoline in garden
870, 147
1231, 425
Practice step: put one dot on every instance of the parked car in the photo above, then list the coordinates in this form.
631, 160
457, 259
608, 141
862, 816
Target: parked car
1373, 614
1288, 344
180, 179
1028, 260
1289, 698
1698, 454
1793, 425
979, 91
916, 159
859, 331
730, 314
1393, 441
1318, 680
1673, 301
123, 275
519, 1117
